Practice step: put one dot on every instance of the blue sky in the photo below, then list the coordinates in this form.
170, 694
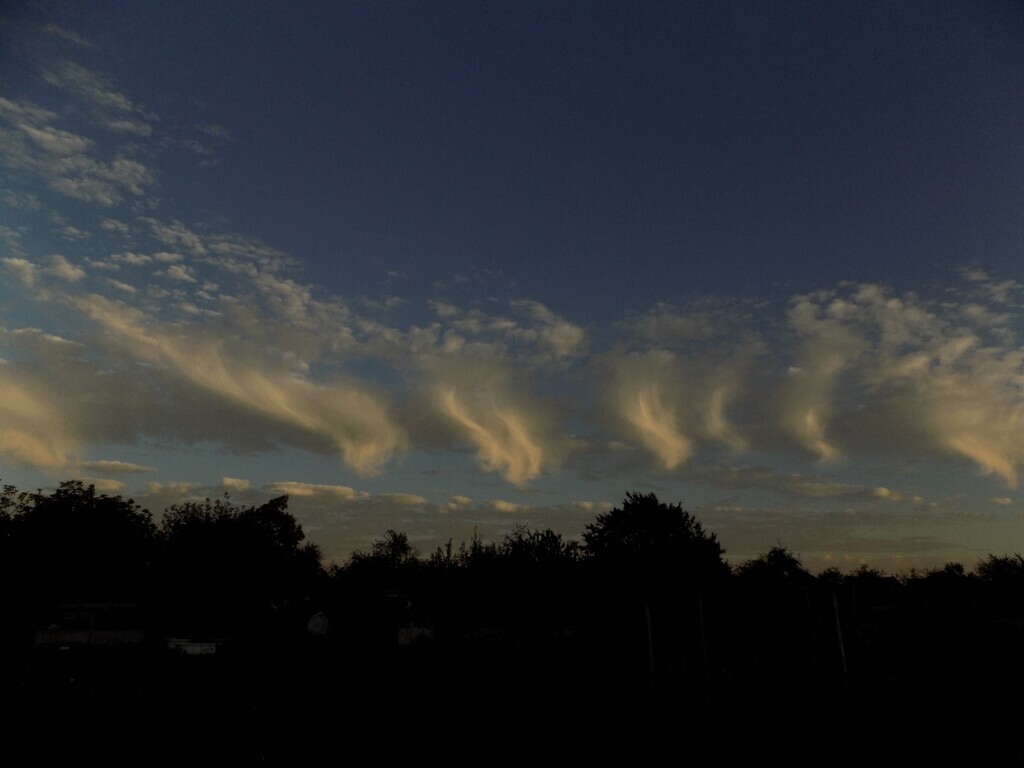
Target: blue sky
453, 267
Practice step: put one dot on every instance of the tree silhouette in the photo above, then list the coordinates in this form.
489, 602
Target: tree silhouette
1003, 569
77, 545
778, 564
654, 543
394, 550
226, 568
651, 567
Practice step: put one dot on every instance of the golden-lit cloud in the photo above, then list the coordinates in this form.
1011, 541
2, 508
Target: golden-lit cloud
32, 432
104, 484
292, 488
349, 415
113, 467
402, 499
235, 483
509, 507
504, 438
656, 426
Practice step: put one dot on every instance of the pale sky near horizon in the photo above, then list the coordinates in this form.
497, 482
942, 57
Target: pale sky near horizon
445, 267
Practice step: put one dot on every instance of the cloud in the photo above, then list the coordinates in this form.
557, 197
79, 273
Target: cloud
64, 270
350, 416
402, 499
826, 345
505, 439
23, 269
235, 483
230, 331
30, 432
65, 161
111, 108
70, 36
175, 488
176, 234
132, 259
552, 333
459, 502
792, 485
292, 488
104, 484
506, 506
593, 506
123, 287
850, 370
535, 334
641, 401
37, 424
113, 225
666, 327
179, 273
656, 426
938, 379
113, 467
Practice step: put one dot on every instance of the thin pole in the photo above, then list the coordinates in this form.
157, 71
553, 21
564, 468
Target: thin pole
839, 636
650, 643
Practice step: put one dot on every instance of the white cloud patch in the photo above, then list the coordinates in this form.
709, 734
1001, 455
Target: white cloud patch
219, 319
64, 270
111, 108
235, 483
33, 431
177, 488
111, 467
23, 269
505, 438
179, 273
844, 371
593, 506
292, 488
132, 259
509, 507
123, 287
65, 161
351, 416
113, 225
402, 499
176, 234
104, 484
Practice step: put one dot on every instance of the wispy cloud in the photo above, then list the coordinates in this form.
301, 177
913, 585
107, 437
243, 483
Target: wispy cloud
222, 324
113, 467
293, 488
111, 108
66, 162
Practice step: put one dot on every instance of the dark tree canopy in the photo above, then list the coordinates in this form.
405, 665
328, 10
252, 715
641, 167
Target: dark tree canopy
221, 561
543, 551
1001, 569
778, 564
75, 544
651, 540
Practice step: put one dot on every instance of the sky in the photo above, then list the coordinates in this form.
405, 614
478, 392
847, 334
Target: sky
453, 267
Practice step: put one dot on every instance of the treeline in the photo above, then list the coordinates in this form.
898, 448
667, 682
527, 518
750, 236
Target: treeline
638, 625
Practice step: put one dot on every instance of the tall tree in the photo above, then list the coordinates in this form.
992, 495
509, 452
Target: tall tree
77, 545
655, 543
225, 568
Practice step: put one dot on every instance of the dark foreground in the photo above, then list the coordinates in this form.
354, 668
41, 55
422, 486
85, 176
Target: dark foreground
479, 703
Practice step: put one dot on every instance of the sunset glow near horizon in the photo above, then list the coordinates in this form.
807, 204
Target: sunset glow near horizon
446, 268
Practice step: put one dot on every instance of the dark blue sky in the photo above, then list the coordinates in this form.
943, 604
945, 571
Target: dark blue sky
665, 149
753, 254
